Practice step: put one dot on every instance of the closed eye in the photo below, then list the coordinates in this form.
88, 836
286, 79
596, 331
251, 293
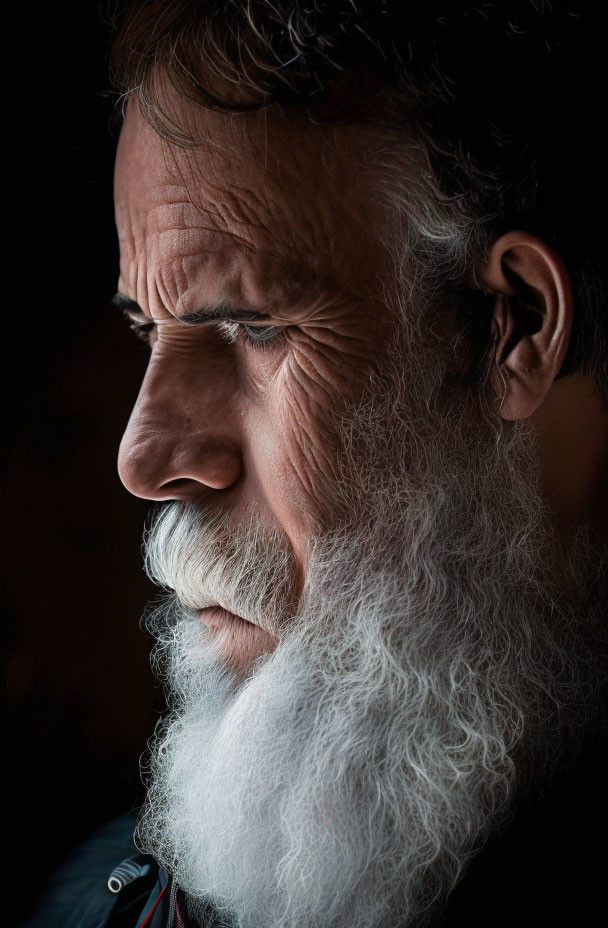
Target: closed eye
261, 335
258, 337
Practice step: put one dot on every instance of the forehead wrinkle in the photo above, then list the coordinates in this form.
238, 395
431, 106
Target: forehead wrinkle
181, 247
227, 199
211, 178
252, 219
255, 220
181, 277
192, 282
226, 215
195, 285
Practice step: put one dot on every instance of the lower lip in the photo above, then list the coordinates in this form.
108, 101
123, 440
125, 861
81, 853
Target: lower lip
216, 617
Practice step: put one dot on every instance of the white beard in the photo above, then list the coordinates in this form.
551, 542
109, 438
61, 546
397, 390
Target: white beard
437, 659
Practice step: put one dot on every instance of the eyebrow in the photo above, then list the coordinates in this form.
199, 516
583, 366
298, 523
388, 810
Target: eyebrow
223, 311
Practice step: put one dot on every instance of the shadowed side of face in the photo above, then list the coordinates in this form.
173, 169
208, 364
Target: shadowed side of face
252, 265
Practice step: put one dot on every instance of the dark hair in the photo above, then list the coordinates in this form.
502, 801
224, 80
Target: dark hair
502, 95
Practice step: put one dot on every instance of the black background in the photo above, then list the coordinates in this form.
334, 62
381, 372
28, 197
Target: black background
81, 700
80, 695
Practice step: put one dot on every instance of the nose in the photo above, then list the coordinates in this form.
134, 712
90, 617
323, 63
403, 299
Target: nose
181, 440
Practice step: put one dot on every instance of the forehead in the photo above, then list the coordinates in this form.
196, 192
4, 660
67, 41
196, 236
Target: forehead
260, 200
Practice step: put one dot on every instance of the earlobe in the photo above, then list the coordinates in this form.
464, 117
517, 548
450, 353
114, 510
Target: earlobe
531, 320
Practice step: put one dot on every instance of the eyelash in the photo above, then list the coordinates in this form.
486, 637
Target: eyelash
233, 331
241, 332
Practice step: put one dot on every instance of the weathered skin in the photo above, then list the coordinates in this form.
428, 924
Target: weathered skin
230, 422
284, 220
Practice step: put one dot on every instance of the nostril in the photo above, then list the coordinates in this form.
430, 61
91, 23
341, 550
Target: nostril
160, 465
181, 483
181, 488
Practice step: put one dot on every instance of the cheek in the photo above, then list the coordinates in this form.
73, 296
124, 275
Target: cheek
296, 439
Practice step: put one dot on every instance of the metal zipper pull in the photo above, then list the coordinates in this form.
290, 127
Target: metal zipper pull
125, 873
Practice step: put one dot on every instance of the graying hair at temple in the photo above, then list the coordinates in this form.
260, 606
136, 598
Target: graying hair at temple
493, 95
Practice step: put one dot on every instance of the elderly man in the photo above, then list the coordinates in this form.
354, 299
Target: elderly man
375, 419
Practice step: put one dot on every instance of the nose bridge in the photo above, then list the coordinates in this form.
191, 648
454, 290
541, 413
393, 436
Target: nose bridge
182, 437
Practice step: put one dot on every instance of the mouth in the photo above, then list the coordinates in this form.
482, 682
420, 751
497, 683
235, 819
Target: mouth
217, 617
238, 642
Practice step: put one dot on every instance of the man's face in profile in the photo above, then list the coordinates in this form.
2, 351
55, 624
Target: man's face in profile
397, 632
283, 256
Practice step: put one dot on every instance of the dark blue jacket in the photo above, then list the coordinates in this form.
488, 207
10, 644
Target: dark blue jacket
81, 897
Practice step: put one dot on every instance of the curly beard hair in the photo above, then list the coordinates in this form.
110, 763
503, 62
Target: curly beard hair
442, 655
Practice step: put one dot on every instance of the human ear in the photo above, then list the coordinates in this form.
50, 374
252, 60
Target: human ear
531, 320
